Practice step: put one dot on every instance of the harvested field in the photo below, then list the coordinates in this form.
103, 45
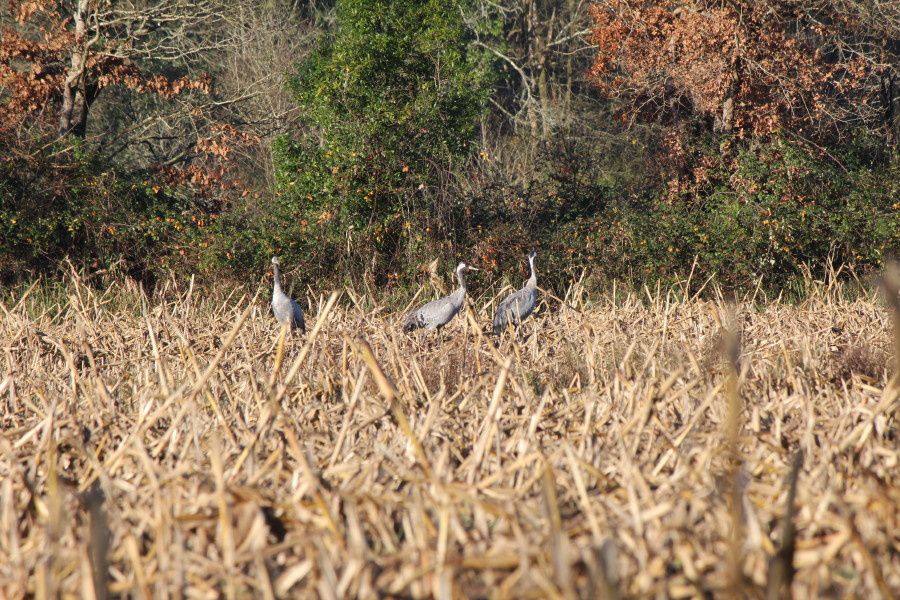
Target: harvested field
173, 447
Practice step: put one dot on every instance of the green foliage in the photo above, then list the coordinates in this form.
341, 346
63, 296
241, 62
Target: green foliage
573, 185
391, 102
768, 214
60, 205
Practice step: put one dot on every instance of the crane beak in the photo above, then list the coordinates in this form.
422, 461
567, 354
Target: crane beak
471, 268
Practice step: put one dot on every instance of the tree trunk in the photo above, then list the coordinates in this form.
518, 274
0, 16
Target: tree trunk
528, 43
891, 94
540, 36
570, 71
724, 121
76, 93
544, 95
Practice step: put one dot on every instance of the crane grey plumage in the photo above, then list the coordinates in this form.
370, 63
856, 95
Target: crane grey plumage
438, 313
287, 311
519, 305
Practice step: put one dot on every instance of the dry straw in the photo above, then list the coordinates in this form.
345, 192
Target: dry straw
634, 445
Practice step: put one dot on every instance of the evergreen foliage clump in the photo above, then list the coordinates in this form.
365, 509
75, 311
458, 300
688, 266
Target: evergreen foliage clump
391, 102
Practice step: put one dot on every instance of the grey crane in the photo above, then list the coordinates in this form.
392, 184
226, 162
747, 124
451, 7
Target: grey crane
519, 305
287, 311
438, 313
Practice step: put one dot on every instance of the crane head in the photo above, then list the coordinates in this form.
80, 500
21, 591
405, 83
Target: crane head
464, 267
275, 261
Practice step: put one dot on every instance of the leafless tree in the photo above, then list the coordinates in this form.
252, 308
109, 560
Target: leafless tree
543, 48
210, 63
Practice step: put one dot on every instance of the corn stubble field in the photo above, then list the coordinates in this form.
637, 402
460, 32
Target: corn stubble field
620, 446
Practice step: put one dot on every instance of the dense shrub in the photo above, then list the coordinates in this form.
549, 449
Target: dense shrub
739, 214
391, 101
69, 205
763, 213
573, 183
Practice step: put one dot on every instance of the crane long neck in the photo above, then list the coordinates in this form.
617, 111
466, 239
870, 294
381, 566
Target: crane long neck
277, 277
462, 278
532, 281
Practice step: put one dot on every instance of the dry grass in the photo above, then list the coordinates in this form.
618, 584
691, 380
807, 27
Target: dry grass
172, 449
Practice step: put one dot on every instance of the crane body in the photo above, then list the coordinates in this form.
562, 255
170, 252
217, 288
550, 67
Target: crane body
438, 313
519, 305
287, 311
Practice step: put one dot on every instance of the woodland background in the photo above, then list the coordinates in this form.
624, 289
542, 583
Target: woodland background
747, 142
